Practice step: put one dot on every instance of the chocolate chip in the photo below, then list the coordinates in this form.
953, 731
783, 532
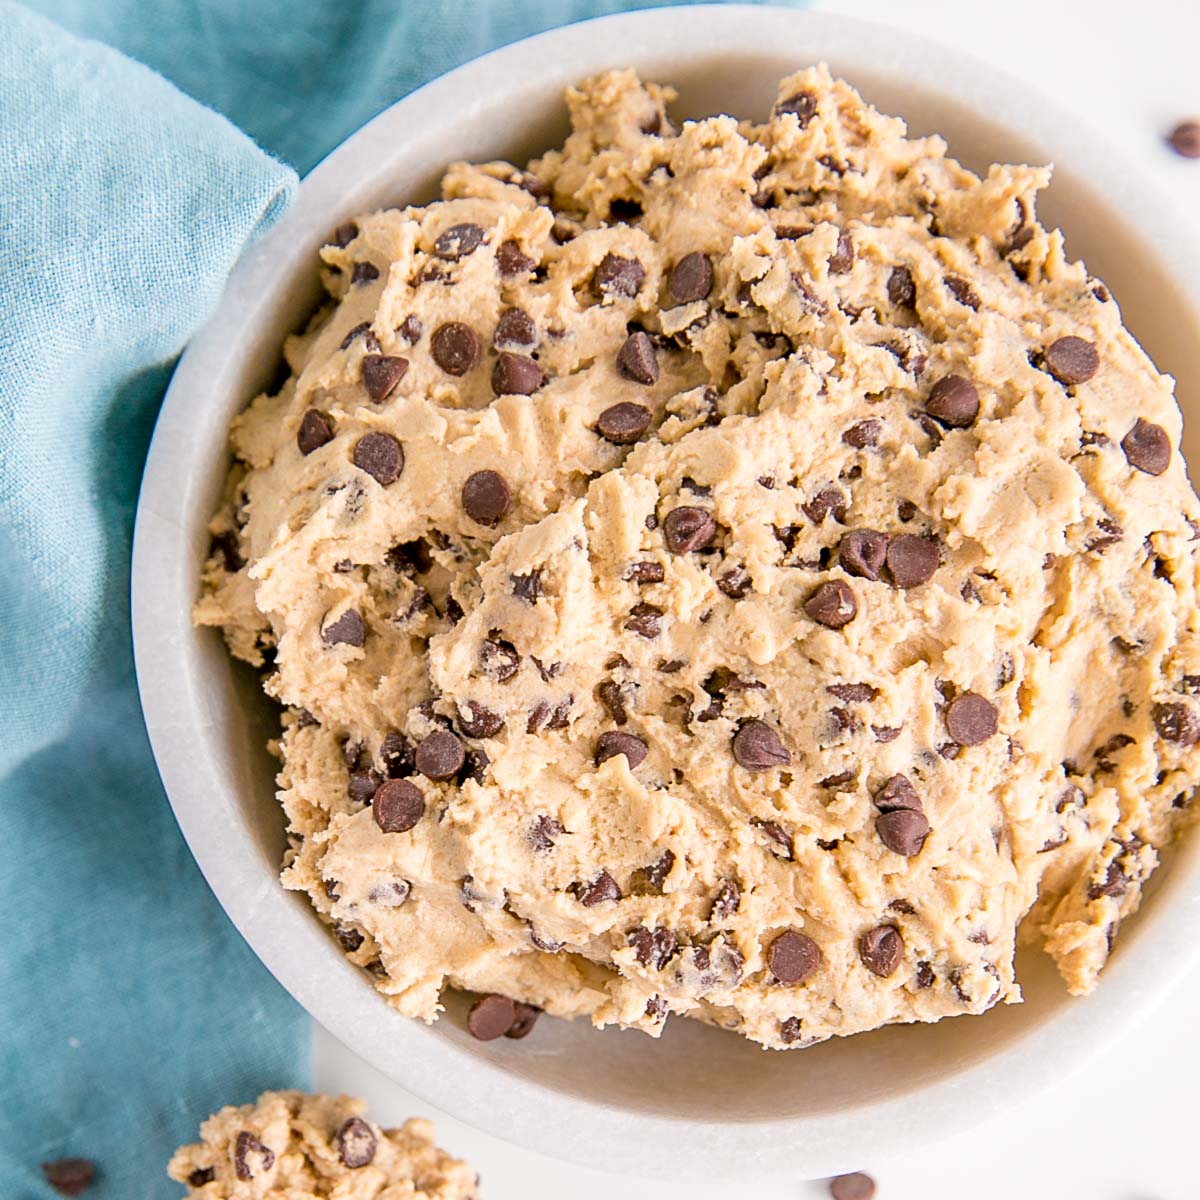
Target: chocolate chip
726, 902
362, 330
901, 289
881, 950
527, 587
832, 604
793, 956
200, 1176
962, 291
390, 894
363, 785
842, 259
912, 560
827, 500
652, 949
381, 373
779, 836
69, 1176
455, 347
636, 359
645, 620
1147, 447
853, 693
1177, 722
481, 721
250, 1157
648, 881
617, 276
862, 552
601, 889
515, 330
499, 659
381, 456
803, 106
349, 938
356, 1143
347, 630
364, 272
855, 1186
516, 375
735, 583
1184, 139
688, 528
897, 793
903, 830
440, 755
314, 431
542, 832
524, 1020
458, 241
344, 234
756, 746
691, 278
954, 401
609, 694
410, 329
398, 805
971, 719
646, 572
512, 260
864, 434
486, 497
623, 423
1072, 360
491, 1016
613, 742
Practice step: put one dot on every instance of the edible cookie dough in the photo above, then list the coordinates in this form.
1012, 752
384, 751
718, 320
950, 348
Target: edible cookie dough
743, 571
292, 1146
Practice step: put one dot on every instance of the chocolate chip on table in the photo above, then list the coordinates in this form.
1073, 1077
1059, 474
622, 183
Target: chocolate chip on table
458, 241
314, 431
481, 721
499, 659
618, 276
862, 552
803, 106
864, 434
69, 1176
903, 830
381, 456
455, 347
491, 1016
250, 1157
512, 260
881, 950
855, 1186
614, 742
440, 755
645, 620
832, 604
381, 373
636, 359
348, 630
541, 833
912, 560
1147, 447
646, 572
971, 719
901, 289
486, 497
1184, 139
364, 272
1177, 722
1071, 360
757, 747
344, 234
793, 956
691, 278
842, 259
397, 806
726, 902
954, 401
962, 291
601, 889
624, 423
356, 1143
688, 528
516, 375
514, 329
525, 1019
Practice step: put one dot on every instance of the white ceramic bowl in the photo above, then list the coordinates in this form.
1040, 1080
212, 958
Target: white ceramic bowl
699, 1102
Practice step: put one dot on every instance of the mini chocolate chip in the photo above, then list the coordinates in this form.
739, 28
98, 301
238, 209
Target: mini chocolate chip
614, 742
601, 889
515, 329
853, 693
624, 423
862, 552
901, 289
410, 329
842, 259
314, 431
362, 330
1115, 883
652, 949
70, 1176
609, 694
864, 434
617, 276
381, 373
691, 278
524, 1020
828, 500
1184, 139
364, 272
726, 902
1147, 447
832, 604
527, 587
1072, 360
855, 1186
439, 755
486, 497
381, 456
793, 956
645, 620
458, 241
646, 572
491, 1016
971, 719
954, 401
912, 560
344, 234
347, 630
881, 950
757, 747
512, 260
482, 722
455, 347
688, 528
962, 291
250, 1157
903, 830
1177, 722
897, 793
542, 832
735, 583
398, 805
516, 375
356, 1143
803, 106
779, 836
636, 359
499, 659
349, 938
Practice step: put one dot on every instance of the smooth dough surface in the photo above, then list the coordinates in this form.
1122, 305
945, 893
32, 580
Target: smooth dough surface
295, 1146
1035, 691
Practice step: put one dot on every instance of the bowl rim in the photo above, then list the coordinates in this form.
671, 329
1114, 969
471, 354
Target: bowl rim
586, 1132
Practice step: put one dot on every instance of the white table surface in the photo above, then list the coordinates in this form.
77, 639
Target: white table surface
1121, 1127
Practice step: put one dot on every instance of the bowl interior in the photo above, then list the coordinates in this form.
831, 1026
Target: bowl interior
693, 1074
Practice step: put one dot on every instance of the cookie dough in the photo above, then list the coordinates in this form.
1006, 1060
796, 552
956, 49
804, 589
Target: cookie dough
743, 571
292, 1146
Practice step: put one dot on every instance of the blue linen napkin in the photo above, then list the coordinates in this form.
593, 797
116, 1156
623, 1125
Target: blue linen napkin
129, 1007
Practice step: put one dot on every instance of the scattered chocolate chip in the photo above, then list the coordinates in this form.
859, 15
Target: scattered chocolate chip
542, 832
735, 583
344, 234
614, 742
314, 431
364, 272
726, 902
609, 694
925, 975
954, 401
455, 347
381, 456
70, 1176
356, 1143
491, 1016
486, 497
901, 289
381, 373
458, 241
864, 434
1184, 139
903, 830
853, 693
757, 747
481, 721
511, 260
601, 889
645, 620
1147, 447
688, 528
832, 604
652, 949
515, 330
439, 755
881, 950
398, 805
527, 587
912, 560
842, 259
347, 630
962, 291
855, 1186
803, 106
624, 423
499, 659
250, 1157
1115, 883
646, 572
971, 719
516, 375
691, 278
648, 881
524, 1019
793, 956
862, 552
827, 500
1072, 360
777, 834
617, 276
1177, 722
636, 359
